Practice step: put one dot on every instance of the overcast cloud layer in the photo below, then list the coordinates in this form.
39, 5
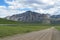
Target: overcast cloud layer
19, 6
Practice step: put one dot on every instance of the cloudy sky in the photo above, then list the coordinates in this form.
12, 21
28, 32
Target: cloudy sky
10, 7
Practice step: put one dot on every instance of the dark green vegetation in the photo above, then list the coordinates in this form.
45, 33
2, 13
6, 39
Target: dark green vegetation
22, 27
5, 21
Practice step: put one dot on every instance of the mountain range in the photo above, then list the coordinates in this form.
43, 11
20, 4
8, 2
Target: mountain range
30, 16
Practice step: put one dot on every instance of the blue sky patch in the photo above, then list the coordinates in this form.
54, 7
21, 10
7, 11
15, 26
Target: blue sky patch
2, 3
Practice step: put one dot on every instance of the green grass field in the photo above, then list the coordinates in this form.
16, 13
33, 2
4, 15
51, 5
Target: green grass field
12, 30
21, 27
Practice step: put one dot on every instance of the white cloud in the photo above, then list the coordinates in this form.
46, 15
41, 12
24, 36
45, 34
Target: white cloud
49, 2
41, 6
8, 12
3, 11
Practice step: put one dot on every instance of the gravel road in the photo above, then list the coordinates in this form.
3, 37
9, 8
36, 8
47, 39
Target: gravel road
47, 34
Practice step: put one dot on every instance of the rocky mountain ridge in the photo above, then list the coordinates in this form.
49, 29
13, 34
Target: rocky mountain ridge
30, 16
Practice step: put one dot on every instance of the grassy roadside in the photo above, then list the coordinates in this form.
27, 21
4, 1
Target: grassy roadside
23, 28
19, 29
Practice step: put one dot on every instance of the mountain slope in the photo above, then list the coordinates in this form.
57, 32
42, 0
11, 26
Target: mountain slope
30, 16
5, 21
55, 19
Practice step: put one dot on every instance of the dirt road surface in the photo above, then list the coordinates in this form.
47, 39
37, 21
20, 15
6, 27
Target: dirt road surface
47, 34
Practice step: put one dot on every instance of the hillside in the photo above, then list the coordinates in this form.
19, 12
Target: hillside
5, 21
55, 19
